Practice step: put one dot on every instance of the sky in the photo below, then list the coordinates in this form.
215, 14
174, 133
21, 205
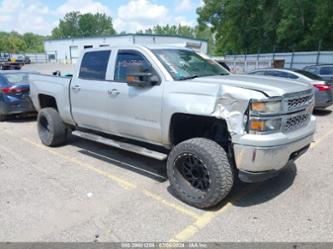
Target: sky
41, 16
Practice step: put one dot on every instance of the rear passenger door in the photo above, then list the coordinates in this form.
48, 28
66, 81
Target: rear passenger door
88, 91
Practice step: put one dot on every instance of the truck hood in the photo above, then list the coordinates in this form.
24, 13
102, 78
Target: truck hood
271, 86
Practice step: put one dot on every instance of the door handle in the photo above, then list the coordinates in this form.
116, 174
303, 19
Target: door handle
76, 88
113, 92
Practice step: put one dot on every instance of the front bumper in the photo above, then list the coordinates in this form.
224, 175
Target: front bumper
263, 154
249, 176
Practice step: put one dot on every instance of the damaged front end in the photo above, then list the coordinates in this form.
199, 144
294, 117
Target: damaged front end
266, 132
233, 107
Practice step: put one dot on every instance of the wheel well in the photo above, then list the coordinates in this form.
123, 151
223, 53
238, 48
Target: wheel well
185, 126
47, 101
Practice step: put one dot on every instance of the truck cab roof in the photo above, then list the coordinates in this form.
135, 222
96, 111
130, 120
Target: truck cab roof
138, 46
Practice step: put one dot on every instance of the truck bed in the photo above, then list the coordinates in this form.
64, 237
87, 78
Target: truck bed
55, 86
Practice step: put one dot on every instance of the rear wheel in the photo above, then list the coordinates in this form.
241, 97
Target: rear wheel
51, 129
200, 173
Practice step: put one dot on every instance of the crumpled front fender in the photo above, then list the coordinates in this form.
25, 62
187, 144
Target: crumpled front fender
232, 106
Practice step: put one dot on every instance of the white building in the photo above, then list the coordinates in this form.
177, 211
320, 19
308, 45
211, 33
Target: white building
68, 50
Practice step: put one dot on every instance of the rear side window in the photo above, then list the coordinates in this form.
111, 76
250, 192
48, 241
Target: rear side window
292, 76
277, 74
309, 75
94, 65
326, 70
258, 73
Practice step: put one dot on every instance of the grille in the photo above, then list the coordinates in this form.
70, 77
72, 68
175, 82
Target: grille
296, 122
298, 103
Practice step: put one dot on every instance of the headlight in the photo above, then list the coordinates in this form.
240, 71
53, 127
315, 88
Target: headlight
257, 125
265, 107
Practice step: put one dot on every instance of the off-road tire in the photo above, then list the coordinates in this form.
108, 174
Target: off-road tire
52, 130
217, 165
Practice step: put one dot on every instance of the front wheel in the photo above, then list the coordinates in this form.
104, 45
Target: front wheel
51, 129
200, 173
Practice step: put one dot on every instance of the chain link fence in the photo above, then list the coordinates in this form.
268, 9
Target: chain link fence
246, 63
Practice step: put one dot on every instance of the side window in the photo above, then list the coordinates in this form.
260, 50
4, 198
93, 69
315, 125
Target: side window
326, 71
277, 74
126, 59
94, 65
269, 73
258, 73
292, 76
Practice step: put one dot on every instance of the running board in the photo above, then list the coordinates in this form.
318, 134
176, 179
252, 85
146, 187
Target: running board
121, 145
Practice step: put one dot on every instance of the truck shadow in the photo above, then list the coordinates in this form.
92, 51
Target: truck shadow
242, 195
22, 119
251, 194
147, 167
247, 194
324, 112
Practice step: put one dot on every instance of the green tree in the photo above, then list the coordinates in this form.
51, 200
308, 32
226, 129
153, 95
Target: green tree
306, 24
239, 24
3, 42
14, 42
68, 26
294, 29
87, 25
75, 24
104, 24
322, 25
35, 43
251, 26
204, 32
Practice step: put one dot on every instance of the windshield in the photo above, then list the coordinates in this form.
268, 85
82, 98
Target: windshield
185, 64
309, 75
17, 78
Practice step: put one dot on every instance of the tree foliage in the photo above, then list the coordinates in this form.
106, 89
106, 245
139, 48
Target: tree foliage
75, 24
251, 26
14, 42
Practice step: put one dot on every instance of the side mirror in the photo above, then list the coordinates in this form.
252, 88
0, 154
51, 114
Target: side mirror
138, 76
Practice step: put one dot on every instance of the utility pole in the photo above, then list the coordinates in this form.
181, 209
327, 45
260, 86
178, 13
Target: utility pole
318, 54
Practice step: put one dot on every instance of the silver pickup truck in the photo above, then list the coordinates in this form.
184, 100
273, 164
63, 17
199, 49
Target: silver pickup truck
171, 103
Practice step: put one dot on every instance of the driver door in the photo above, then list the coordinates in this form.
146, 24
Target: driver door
135, 111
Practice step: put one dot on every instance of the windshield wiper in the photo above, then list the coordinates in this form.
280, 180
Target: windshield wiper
189, 77
219, 74
197, 76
